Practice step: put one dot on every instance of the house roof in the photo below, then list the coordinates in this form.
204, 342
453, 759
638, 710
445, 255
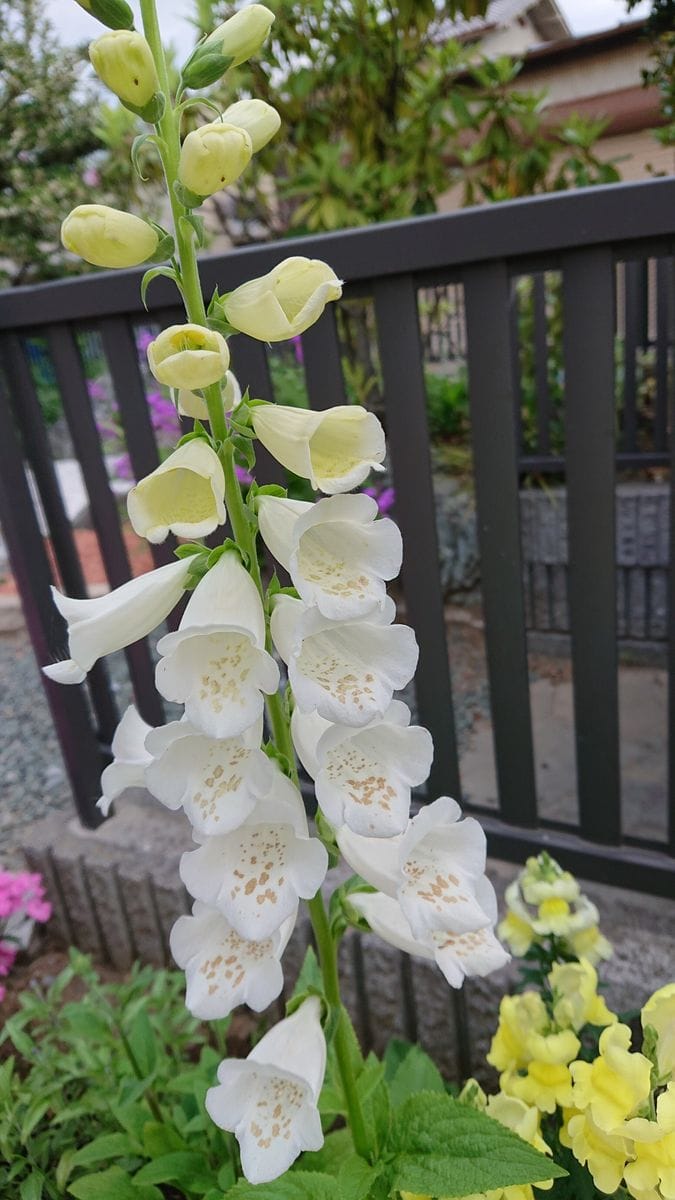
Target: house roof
545, 15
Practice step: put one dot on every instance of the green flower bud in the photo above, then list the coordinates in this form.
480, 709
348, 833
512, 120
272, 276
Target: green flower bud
123, 61
213, 156
116, 14
244, 33
108, 237
259, 119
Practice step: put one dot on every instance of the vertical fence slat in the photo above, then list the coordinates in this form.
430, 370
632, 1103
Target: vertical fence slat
665, 338
542, 392
79, 415
667, 287
24, 403
31, 570
486, 297
119, 346
633, 298
323, 366
250, 365
401, 357
588, 348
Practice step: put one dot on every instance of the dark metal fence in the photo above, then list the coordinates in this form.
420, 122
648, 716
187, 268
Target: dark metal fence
583, 238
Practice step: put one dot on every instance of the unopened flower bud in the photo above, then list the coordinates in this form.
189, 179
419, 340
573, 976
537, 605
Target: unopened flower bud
123, 62
116, 14
244, 33
108, 237
188, 356
260, 120
213, 156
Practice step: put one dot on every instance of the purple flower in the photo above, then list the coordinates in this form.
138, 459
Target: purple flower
122, 467
143, 339
297, 346
243, 476
385, 498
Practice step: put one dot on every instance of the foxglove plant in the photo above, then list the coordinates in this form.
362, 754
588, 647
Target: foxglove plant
421, 882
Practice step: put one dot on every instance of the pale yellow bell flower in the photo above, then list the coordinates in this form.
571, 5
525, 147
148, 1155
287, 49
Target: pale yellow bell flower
284, 302
604, 1154
191, 404
260, 120
123, 61
575, 996
519, 1017
616, 1084
108, 237
185, 495
590, 943
659, 1012
335, 449
242, 34
213, 156
188, 356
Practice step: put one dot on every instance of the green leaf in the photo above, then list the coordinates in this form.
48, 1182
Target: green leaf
308, 983
113, 1184
64, 1168
443, 1148
161, 1139
337, 1149
108, 1145
294, 1185
143, 1044
189, 548
415, 1073
186, 1169
31, 1188
153, 273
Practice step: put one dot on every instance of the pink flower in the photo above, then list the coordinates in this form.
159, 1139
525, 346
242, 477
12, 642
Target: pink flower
7, 955
143, 339
297, 346
385, 498
91, 177
243, 476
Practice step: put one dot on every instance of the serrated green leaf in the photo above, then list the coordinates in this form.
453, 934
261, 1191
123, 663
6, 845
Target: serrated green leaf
108, 1145
294, 1185
185, 1168
415, 1073
443, 1148
113, 1184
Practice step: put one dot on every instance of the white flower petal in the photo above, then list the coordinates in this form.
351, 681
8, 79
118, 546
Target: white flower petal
375, 859
297, 1045
460, 955
216, 780
101, 625
306, 730
224, 970
335, 449
277, 518
130, 759
285, 624
386, 919
228, 597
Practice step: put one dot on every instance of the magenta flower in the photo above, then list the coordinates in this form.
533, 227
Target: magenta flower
385, 498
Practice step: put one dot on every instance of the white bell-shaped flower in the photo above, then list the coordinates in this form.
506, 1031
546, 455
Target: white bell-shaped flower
191, 404
364, 776
216, 663
458, 955
348, 670
130, 759
285, 302
436, 869
256, 874
335, 449
184, 495
270, 1099
223, 969
101, 625
337, 554
216, 781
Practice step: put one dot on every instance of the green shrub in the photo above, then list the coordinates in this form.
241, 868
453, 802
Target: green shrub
447, 405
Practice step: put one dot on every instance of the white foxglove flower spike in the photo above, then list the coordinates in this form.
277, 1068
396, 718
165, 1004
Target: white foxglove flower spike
185, 495
217, 781
335, 449
130, 759
365, 775
337, 553
256, 874
349, 670
269, 1100
107, 623
223, 969
458, 955
436, 869
216, 663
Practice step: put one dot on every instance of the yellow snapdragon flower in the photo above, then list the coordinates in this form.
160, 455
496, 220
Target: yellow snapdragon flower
604, 1154
590, 943
517, 932
659, 1012
652, 1171
519, 1017
547, 1083
545, 901
575, 996
616, 1084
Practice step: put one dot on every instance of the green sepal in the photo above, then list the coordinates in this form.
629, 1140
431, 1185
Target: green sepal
244, 447
197, 570
194, 433
136, 147
227, 546
273, 489
206, 65
188, 549
187, 198
153, 273
116, 14
327, 835
308, 983
216, 319
342, 914
197, 102
191, 223
152, 112
166, 248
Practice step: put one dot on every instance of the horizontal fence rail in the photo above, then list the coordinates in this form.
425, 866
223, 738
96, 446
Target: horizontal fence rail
597, 262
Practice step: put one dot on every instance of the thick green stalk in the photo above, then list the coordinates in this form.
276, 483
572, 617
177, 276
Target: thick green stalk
168, 129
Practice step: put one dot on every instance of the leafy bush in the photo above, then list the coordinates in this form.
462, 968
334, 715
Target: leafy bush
447, 405
104, 1096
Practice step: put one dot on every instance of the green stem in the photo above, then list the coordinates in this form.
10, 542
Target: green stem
168, 129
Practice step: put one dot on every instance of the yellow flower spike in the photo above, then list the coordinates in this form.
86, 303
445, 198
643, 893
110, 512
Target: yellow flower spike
604, 1154
575, 998
616, 1084
659, 1012
652, 1173
123, 61
213, 156
519, 1017
107, 237
517, 933
184, 495
188, 356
